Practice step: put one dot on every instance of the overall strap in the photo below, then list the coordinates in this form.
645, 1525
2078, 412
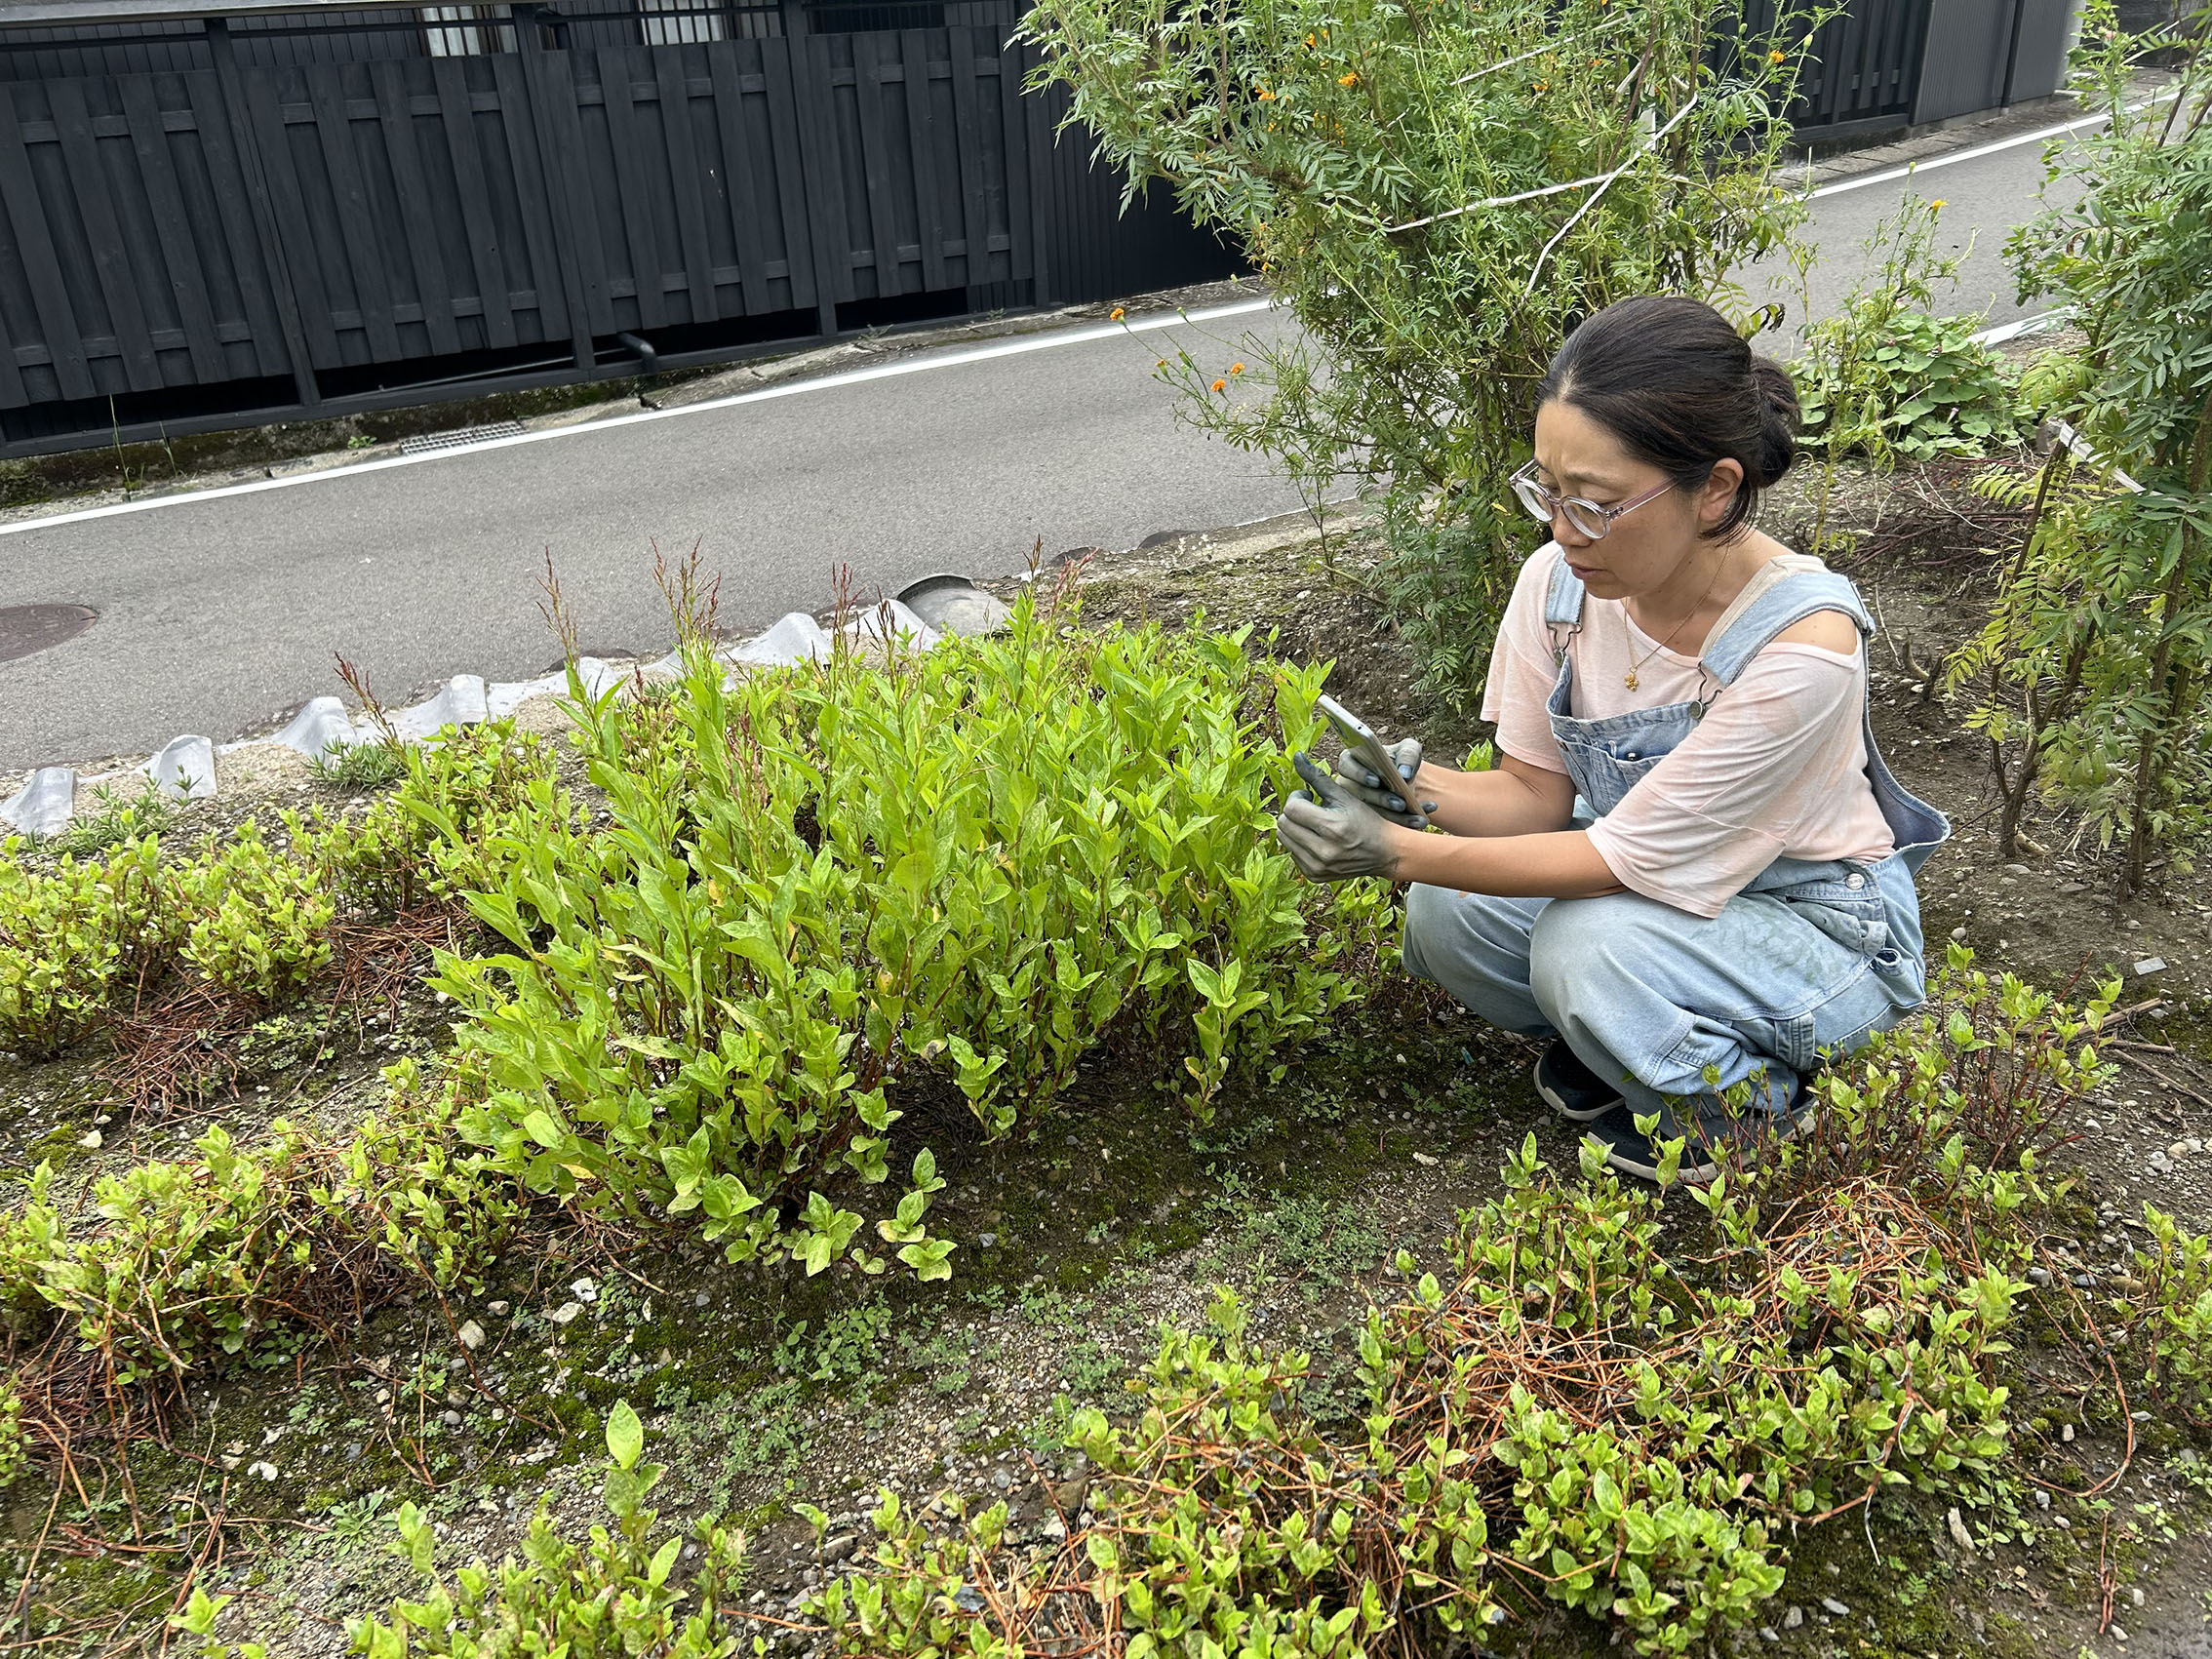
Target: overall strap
1562, 608
1788, 602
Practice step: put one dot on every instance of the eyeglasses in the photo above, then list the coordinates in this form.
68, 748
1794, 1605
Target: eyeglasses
1588, 517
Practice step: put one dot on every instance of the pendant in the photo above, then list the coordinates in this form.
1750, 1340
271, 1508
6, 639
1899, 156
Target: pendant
1629, 679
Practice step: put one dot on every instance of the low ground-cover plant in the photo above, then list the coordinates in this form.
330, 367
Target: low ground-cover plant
178, 1263
73, 932
263, 917
971, 866
1587, 1409
620, 1595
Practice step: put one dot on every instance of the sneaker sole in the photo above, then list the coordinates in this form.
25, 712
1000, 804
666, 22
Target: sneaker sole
1572, 1113
1697, 1166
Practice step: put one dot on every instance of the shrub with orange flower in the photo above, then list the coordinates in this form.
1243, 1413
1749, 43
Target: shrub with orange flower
1117, 314
1221, 385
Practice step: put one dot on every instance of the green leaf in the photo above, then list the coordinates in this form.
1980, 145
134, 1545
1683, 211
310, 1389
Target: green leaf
625, 1436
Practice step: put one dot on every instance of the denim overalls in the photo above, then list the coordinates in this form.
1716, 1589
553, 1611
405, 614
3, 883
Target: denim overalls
1810, 957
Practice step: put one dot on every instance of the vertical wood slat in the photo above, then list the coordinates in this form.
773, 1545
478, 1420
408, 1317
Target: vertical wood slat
920, 144
685, 185
14, 394
295, 240
173, 226
822, 177
794, 198
50, 297
1021, 230
875, 160
1044, 220
545, 86
372, 291
252, 221
634, 204
103, 232
478, 218
234, 207
738, 177
976, 211
395, 115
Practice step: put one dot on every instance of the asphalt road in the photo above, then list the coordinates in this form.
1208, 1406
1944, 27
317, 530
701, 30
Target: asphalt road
219, 611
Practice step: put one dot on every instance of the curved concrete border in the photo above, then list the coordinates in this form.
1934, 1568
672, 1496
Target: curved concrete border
186, 768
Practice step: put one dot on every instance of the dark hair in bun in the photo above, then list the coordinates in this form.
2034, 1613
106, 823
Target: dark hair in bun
1681, 388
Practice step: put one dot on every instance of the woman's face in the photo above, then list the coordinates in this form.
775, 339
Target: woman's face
1644, 547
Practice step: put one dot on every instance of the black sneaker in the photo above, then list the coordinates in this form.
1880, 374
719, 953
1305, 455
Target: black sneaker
1572, 1088
1633, 1152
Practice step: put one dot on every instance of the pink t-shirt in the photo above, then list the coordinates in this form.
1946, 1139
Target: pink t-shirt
1777, 766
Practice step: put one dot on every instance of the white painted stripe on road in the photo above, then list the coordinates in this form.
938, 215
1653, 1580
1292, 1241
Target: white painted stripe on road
819, 383
1891, 174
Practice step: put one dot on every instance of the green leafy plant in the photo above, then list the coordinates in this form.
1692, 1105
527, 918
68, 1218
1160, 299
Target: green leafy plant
361, 766
118, 815
264, 918
619, 1595
2094, 669
1437, 193
978, 865
71, 930
1882, 378
1587, 1408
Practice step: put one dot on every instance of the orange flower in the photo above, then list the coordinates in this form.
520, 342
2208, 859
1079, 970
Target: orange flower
1266, 97
1777, 57
1221, 385
1236, 368
1309, 42
1116, 315
1351, 78
1937, 203
1161, 363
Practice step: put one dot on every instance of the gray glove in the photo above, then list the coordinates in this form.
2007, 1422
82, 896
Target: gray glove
1330, 834
1352, 771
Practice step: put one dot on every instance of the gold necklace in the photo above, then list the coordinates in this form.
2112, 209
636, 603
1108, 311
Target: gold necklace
1629, 679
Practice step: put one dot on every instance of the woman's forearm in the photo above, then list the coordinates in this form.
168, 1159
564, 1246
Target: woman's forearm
1549, 864
1491, 802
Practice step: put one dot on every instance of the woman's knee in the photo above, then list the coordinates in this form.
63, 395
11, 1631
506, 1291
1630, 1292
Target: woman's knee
1580, 946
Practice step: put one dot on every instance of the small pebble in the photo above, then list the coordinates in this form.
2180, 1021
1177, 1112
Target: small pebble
497, 1310
1959, 1533
1792, 1619
1767, 1632
2074, 887
2178, 1149
1958, 935
264, 1469
2118, 1632
2066, 1433
1835, 1610
985, 1240
2135, 1595
90, 1140
2043, 1498
585, 1290
453, 1420
471, 1335
566, 1311
2151, 964
2090, 1127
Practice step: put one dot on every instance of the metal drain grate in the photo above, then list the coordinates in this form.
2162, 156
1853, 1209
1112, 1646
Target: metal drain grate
461, 438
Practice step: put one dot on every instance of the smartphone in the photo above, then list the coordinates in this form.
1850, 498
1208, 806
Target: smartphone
1359, 741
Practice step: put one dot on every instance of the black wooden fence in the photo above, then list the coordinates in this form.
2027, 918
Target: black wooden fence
215, 240
229, 216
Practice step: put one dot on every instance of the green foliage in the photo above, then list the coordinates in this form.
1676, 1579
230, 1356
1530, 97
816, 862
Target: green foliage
71, 931
361, 766
1389, 165
616, 1595
2095, 667
118, 815
263, 923
15, 1455
974, 865
1584, 1409
2174, 1316
427, 837
186, 1261
1881, 378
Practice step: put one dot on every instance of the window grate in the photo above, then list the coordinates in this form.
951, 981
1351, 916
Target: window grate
461, 438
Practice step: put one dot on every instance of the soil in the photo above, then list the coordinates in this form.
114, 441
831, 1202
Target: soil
1081, 1233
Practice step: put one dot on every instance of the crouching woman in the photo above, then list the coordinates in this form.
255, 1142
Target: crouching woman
1690, 867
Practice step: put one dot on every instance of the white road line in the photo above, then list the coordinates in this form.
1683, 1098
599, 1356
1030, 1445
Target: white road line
794, 388
1891, 174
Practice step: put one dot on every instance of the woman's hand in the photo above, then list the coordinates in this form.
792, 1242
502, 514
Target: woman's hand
1386, 797
1331, 833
